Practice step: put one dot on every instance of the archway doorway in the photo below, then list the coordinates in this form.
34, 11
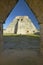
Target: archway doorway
22, 41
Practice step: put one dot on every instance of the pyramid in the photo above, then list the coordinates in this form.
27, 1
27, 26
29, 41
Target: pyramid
21, 9
21, 25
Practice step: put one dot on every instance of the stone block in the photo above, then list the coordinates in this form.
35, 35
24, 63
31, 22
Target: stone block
1, 36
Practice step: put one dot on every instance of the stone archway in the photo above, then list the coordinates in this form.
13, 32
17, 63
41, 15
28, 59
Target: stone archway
35, 5
5, 9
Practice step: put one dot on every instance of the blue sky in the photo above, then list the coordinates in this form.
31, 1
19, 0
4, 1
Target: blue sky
21, 9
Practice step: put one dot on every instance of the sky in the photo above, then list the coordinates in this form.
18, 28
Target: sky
21, 9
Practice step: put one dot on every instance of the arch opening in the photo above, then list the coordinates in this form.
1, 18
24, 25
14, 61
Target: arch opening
24, 28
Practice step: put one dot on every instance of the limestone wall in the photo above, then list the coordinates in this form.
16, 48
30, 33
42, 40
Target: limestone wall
41, 38
26, 26
1, 36
21, 25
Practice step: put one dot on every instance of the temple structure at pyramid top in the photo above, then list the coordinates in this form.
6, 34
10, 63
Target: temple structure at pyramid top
21, 25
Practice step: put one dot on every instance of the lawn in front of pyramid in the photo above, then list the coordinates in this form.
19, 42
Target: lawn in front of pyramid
13, 41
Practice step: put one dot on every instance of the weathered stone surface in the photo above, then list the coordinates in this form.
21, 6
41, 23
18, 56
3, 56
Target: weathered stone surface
1, 36
35, 5
37, 8
41, 38
5, 8
21, 25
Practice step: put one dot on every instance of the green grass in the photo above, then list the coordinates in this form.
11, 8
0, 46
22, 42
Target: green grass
21, 35
22, 41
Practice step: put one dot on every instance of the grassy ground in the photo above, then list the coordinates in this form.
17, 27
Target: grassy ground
21, 41
21, 50
21, 35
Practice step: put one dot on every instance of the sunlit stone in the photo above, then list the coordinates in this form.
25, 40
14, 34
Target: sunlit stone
21, 25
